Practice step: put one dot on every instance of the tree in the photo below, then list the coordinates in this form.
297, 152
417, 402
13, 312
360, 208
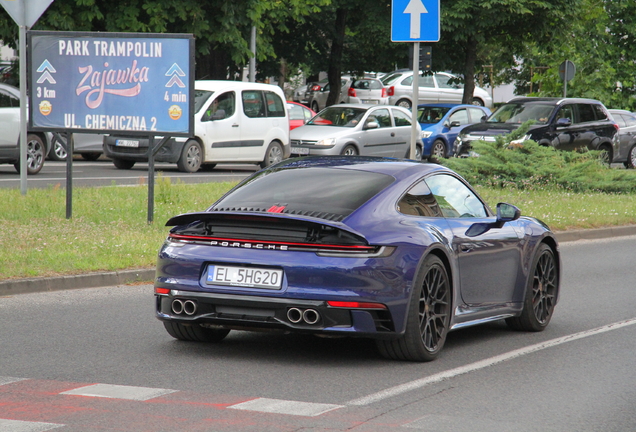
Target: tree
470, 27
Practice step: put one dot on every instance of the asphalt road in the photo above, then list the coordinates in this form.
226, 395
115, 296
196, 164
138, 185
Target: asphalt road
98, 360
103, 173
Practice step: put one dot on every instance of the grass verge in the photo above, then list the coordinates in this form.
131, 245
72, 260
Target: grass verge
109, 229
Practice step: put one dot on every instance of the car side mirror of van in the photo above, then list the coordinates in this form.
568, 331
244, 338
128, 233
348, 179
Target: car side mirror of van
563, 122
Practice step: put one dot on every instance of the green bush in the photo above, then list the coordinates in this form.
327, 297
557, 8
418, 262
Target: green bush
527, 165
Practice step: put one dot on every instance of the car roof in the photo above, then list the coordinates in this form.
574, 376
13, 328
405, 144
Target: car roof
11, 89
552, 100
446, 105
219, 85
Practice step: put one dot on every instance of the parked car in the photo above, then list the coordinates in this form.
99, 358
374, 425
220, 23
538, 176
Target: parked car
563, 123
627, 137
299, 94
312, 89
397, 251
441, 123
433, 88
319, 99
367, 91
234, 122
357, 129
89, 146
38, 143
299, 114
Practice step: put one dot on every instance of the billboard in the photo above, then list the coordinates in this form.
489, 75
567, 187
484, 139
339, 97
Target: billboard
137, 83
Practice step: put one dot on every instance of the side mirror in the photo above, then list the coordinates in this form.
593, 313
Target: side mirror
507, 212
455, 124
483, 119
563, 122
371, 125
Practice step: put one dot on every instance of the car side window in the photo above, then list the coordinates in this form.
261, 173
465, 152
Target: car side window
307, 114
566, 111
630, 120
620, 120
442, 81
296, 112
8, 101
221, 107
383, 117
476, 115
454, 198
274, 104
253, 103
460, 116
401, 119
586, 113
419, 201
600, 112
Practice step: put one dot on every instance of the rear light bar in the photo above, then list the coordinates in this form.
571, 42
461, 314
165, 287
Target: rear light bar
162, 290
384, 92
391, 91
356, 305
271, 245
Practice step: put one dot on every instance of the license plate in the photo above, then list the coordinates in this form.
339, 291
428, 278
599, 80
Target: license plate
300, 150
250, 277
126, 143
370, 101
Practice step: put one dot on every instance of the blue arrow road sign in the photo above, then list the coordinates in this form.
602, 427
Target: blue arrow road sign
415, 21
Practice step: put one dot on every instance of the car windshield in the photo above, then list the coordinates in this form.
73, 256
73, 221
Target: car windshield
315, 190
522, 112
431, 115
200, 98
338, 116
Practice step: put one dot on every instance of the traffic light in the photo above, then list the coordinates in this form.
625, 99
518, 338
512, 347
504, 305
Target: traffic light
426, 58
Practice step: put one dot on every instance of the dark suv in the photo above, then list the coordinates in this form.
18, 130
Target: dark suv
563, 123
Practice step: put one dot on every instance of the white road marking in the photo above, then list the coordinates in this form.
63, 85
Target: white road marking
416, 384
9, 380
119, 392
25, 426
286, 407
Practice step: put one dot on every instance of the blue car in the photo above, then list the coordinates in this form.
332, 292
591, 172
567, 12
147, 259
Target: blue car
395, 250
441, 123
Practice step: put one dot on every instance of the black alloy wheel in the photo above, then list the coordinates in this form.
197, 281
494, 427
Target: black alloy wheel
428, 318
541, 293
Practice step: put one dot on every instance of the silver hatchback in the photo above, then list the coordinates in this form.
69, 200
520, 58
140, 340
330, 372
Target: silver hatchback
357, 129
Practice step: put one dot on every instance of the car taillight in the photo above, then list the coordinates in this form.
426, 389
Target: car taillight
384, 92
617, 127
315, 88
352, 92
391, 91
356, 305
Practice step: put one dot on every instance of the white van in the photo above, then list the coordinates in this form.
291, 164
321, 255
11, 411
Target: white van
234, 122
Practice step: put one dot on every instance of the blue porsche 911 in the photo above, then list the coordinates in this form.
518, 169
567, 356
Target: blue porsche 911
395, 250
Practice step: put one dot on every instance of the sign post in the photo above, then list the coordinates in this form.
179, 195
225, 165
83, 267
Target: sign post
140, 84
566, 73
415, 21
25, 13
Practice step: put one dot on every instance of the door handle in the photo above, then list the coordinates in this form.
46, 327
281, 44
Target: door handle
235, 125
465, 247
392, 134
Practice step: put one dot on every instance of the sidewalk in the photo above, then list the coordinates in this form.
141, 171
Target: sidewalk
124, 277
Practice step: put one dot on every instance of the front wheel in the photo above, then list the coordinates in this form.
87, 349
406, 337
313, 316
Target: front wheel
194, 332
123, 163
90, 156
606, 155
541, 293
478, 102
438, 151
349, 151
57, 152
191, 157
428, 317
315, 107
273, 155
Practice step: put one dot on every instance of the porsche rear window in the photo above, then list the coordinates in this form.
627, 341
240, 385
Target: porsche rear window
318, 192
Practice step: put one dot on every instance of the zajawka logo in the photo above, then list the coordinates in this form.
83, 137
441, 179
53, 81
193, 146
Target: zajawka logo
96, 83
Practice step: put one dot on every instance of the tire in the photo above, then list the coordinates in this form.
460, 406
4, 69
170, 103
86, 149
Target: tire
315, 107
123, 163
478, 102
541, 293
428, 318
405, 103
438, 151
191, 157
194, 332
631, 158
35, 155
418, 153
57, 152
207, 167
273, 155
90, 156
349, 150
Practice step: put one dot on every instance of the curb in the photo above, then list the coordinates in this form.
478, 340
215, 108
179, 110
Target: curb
124, 277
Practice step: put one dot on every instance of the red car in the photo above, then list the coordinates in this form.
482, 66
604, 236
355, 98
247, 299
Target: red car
299, 114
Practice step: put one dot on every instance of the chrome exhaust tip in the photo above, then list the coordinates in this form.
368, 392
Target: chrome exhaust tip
189, 307
294, 315
177, 306
311, 316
